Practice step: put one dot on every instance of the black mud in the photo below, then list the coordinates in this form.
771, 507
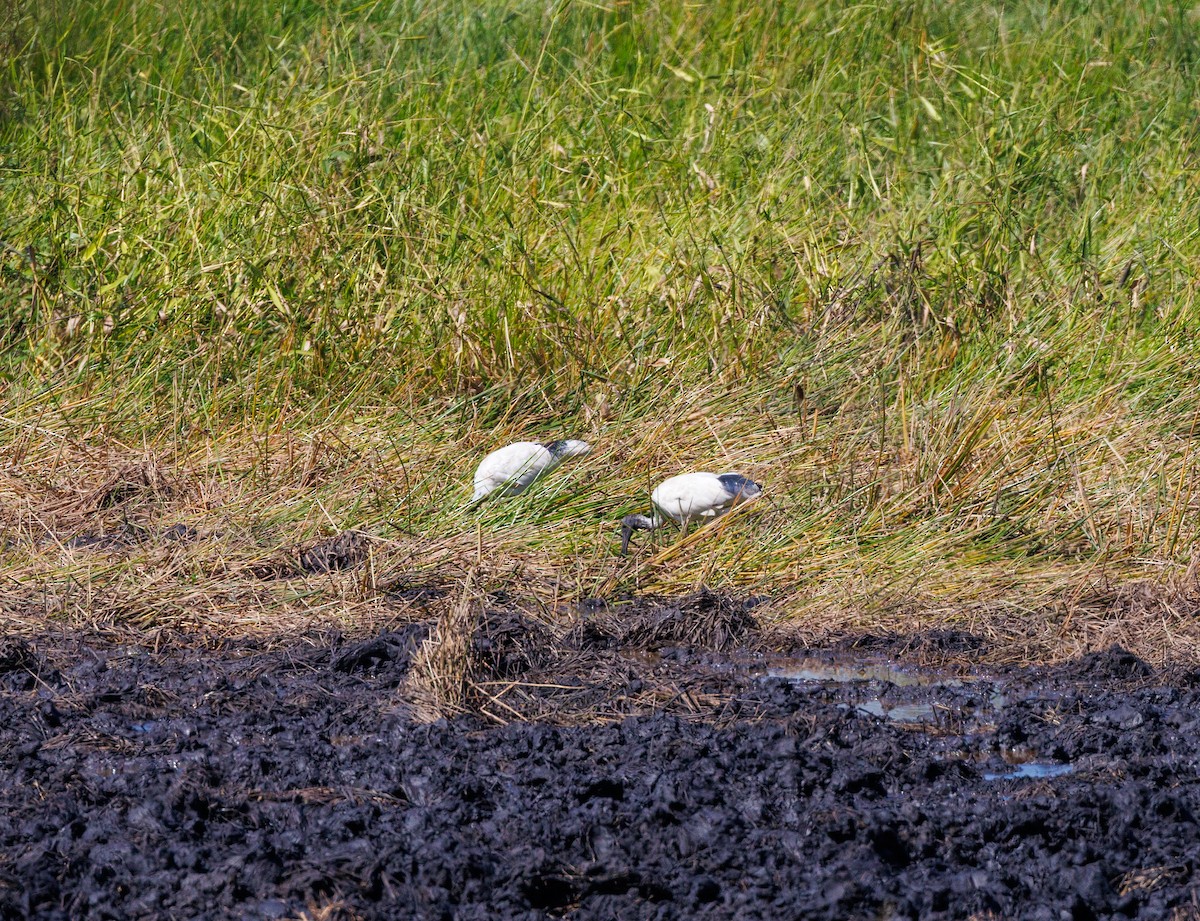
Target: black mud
643, 764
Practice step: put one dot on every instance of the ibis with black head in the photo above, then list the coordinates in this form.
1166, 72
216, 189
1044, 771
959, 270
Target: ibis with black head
511, 470
690, 497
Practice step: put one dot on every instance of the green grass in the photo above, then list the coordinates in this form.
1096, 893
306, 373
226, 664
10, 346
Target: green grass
386, 237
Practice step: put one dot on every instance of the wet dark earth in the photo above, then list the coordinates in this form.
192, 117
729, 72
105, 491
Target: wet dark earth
655, 760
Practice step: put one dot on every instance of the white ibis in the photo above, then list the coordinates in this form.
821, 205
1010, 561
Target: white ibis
511, 470
689, 497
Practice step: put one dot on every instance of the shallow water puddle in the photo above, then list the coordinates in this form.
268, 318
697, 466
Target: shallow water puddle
818, 672
815, 670
1032, 770
898, 713
923, 714
972, 711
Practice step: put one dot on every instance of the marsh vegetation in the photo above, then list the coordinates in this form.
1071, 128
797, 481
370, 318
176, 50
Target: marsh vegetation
275, 275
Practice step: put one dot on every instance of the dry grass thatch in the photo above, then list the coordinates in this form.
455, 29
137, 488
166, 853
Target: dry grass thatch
440, 679
278, 532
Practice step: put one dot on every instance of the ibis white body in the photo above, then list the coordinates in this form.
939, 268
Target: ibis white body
511, 470
691, 497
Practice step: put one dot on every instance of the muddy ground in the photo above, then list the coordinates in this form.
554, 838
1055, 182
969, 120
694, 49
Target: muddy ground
654, 760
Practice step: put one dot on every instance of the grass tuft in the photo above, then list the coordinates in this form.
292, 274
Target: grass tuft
440, 680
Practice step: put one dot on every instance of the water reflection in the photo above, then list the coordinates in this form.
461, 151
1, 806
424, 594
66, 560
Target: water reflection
1032, 770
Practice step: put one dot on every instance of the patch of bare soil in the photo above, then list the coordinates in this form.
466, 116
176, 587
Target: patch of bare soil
655, 760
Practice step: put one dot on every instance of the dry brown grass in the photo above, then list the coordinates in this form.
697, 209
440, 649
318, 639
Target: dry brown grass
443, 670
1047, 535
1157, 619
335, 910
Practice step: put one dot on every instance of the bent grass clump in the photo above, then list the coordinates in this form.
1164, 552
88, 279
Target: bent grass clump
442, 673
